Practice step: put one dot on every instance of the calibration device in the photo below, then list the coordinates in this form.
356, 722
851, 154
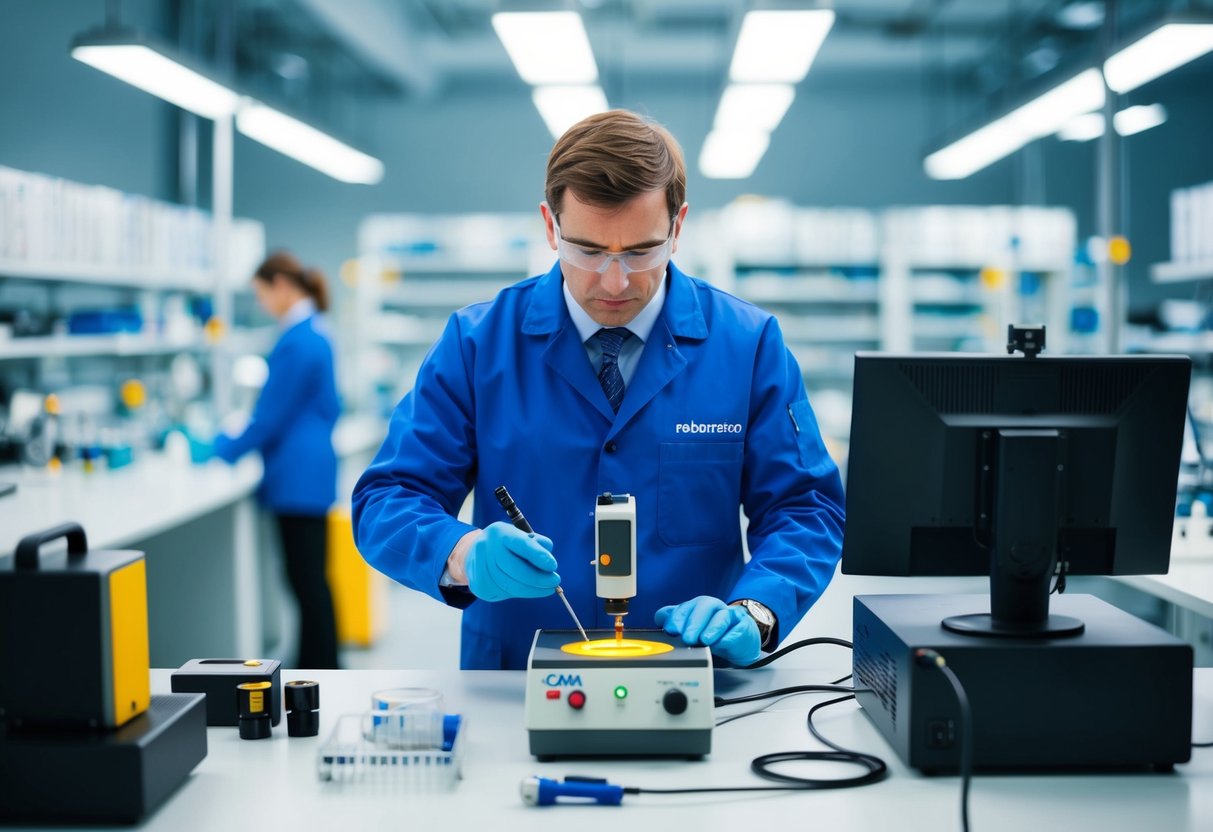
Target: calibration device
599, 693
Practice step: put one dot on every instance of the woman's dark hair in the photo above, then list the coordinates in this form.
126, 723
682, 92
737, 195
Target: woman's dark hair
282, 265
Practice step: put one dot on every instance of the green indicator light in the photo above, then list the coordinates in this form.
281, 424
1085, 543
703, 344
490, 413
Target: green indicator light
621, 692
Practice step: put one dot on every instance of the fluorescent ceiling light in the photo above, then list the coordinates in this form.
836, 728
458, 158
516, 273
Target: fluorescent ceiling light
152, 70
1128, 122
1081, 14
779, 46
547, 47
1082, 128
732, 154
1166, 48
563, 106
1047, 113
307, 144
1043, 115
1136, 119
753, 106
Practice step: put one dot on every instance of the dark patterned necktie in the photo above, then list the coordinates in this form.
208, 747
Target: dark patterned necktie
611, 341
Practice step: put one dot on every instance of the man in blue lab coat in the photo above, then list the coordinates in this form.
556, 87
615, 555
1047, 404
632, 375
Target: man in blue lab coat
614, 372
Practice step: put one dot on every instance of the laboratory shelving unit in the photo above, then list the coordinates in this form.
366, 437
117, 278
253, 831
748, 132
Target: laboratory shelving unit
817, 269
907, 279
957, 275
67, 247
414, 270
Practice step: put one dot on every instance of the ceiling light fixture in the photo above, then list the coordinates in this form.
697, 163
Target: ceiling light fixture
732, 154
563, 106
547, 47
1133, 120
306, 144
1165, 48
132, 57
1128, 122
753, 106
779, 46
1082, 128
1042, 116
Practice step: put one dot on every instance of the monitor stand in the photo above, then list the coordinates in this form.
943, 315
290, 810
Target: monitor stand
1024, 471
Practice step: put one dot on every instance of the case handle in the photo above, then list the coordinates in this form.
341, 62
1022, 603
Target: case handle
26, 554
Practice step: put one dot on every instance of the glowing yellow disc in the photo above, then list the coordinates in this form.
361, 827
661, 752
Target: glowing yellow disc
609, 648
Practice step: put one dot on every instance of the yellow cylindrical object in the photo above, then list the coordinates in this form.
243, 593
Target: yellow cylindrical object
1119, 250
133, 394
214, 329
992, 278
359, 592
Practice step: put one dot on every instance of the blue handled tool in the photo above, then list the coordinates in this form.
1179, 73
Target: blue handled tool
541, 791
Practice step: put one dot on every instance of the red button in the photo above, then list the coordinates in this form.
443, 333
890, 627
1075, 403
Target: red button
553, 694
577, 699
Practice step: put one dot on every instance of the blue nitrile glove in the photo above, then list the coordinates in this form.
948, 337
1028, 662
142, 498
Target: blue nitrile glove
729, 631
505, 562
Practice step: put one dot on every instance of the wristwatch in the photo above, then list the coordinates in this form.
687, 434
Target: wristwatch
763, 617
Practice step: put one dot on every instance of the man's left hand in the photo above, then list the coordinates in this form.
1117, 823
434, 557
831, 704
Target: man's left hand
729, 631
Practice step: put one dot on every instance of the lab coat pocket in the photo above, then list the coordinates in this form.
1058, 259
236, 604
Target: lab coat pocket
699, 492
813, 453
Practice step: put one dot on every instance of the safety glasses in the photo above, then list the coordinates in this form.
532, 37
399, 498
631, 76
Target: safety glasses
597, 260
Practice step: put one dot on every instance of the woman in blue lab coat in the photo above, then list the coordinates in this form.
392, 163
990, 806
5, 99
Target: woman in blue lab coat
614, 372
292, 426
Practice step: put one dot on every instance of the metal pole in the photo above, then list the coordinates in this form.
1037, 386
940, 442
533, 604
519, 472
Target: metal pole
1107, 198
222, 176
221, 212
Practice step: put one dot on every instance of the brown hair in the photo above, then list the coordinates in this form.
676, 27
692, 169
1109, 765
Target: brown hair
284, 265
611, 157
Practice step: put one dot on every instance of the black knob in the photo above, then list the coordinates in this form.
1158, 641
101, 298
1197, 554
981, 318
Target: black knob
674, 701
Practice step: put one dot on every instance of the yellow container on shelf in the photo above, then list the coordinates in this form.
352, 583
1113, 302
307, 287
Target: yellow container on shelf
359, 592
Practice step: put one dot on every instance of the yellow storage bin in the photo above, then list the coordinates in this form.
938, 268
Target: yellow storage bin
359, 592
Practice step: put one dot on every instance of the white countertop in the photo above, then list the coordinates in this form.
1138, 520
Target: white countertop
358, 434
1188, 584
272, 784
120, 507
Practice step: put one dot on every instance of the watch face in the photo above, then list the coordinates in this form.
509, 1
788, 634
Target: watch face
761, 614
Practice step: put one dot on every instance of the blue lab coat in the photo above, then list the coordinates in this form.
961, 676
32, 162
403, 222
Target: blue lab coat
714, 418
292, 424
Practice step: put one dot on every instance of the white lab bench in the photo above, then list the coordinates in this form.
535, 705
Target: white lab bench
214, 583
272, 783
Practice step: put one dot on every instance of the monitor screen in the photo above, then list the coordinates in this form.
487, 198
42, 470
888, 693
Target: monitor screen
1013, 467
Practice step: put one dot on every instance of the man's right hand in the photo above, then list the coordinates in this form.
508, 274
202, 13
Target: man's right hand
505, 562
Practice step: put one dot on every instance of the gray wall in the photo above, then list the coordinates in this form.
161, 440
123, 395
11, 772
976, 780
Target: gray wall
61, 117
857, 143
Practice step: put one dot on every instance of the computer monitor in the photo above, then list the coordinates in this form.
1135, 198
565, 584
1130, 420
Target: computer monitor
1020, 468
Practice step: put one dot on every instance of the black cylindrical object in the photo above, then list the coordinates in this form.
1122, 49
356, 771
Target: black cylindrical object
303, 723
253, 710
303, 708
